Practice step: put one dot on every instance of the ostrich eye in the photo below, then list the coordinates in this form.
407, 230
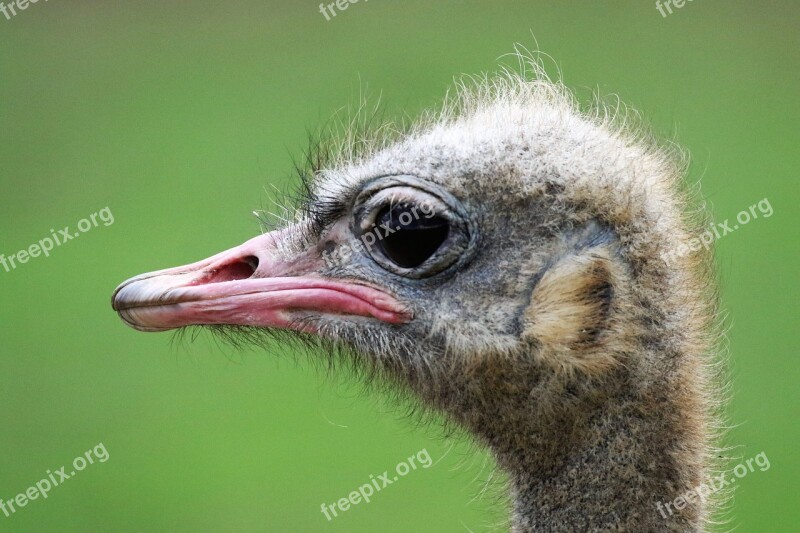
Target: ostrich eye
411, 227
416, 234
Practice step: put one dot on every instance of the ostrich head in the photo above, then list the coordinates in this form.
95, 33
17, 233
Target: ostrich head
511, 261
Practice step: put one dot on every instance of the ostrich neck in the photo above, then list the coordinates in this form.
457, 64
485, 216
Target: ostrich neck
608, 482
587, 460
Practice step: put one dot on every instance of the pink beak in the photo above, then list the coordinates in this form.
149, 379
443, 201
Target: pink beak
250, 286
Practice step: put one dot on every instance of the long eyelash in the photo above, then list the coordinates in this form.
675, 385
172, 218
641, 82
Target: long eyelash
344, 138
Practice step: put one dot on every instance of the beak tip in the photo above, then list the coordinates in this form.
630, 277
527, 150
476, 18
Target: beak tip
117, 303
114, 304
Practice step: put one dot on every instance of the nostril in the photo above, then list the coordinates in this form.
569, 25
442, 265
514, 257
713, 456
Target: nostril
241, 269
252, 262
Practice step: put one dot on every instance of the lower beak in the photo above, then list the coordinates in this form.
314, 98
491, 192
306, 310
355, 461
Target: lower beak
249, 286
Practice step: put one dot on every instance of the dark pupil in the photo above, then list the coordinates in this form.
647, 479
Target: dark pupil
417, 234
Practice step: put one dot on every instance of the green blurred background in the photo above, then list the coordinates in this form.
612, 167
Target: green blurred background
178, 116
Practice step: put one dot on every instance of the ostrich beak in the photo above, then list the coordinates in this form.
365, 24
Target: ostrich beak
249, 285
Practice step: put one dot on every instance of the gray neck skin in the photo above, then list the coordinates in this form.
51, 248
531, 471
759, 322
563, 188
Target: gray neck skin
592, 458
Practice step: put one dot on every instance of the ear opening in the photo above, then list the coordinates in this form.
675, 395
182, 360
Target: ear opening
571, 310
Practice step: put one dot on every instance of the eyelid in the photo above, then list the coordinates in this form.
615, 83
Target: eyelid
366, 213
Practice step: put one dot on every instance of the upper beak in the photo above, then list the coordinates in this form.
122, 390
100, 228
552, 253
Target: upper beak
249, 285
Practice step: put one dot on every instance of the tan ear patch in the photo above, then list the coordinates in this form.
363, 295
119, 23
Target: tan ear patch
569, 313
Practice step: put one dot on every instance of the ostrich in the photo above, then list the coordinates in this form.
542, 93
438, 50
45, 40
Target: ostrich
510, 262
